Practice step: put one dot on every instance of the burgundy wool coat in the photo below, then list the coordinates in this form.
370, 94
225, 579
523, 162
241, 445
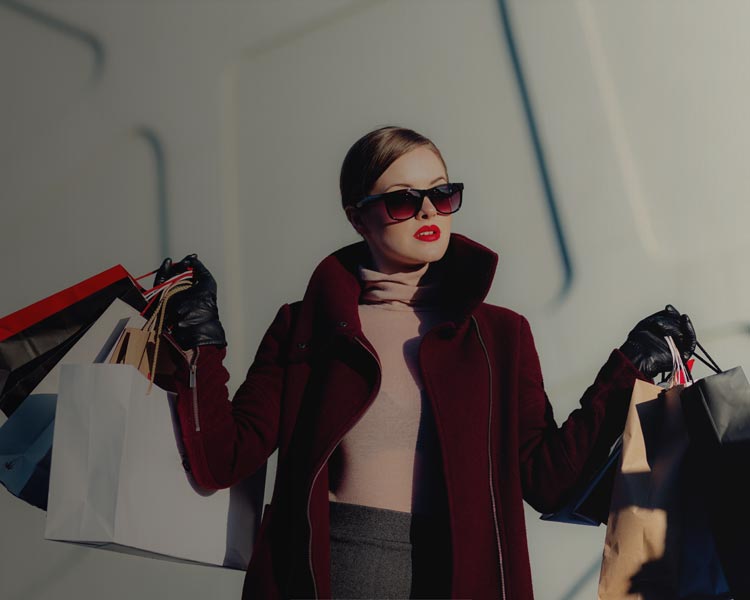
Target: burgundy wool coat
315, 374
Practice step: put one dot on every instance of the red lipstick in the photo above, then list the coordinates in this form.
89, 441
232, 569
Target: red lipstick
428, 233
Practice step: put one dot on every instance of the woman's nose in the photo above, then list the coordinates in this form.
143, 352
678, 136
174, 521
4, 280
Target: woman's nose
428, 209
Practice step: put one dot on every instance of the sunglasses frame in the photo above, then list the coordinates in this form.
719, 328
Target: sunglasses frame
456, 187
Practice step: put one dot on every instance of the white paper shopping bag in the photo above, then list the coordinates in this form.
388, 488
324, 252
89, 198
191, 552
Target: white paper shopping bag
118, 480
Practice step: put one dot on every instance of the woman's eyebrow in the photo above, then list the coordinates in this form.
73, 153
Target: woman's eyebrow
407, 185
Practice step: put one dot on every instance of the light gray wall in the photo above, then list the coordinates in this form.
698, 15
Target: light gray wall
133, 130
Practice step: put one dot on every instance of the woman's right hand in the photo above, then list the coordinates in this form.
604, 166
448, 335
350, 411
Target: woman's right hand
192, 315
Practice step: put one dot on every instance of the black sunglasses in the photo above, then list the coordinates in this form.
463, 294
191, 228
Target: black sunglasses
405, 204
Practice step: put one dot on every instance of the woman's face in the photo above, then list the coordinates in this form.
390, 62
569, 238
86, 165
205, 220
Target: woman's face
394, 245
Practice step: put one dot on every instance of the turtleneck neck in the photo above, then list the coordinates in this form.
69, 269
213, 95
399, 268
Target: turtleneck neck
399, 291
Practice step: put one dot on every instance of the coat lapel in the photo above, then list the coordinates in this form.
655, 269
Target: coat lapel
456, 376
345, 371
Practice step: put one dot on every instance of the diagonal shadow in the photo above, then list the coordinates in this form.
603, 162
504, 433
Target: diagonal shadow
541, 160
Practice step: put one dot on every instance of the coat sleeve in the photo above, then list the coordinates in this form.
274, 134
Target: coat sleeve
227, 441
552, 458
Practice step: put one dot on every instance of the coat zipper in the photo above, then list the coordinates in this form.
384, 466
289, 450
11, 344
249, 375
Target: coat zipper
328, 454
489, 455
193, 378
194, 387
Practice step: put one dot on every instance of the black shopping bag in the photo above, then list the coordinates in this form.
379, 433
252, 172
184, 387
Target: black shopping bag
589, 501
34, 339
701, 574
717, 414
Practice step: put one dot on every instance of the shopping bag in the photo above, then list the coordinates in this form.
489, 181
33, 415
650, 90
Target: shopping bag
717, 413
35, 338
26, 438
640, 558
139, 344
701, 574
657, 544
589, 502
25, 447
118, 476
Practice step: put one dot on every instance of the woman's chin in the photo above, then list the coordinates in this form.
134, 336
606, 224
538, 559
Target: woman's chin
408, 256
431, 253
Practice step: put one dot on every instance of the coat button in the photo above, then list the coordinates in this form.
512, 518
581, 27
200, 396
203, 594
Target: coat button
343, 323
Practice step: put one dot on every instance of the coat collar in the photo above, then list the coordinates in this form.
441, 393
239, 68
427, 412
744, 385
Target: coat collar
330, 303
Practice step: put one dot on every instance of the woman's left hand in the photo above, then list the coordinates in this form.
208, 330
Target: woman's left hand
646, 347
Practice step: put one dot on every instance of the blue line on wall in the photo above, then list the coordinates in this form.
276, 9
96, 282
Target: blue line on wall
549, 193
94, 43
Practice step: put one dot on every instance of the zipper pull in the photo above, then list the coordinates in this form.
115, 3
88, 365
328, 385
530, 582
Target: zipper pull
193, 367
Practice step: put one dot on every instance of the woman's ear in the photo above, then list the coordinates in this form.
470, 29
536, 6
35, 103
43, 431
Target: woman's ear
355, 218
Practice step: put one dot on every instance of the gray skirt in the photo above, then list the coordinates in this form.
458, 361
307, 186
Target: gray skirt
382, 553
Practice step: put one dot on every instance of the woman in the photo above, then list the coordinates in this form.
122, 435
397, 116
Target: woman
410, 415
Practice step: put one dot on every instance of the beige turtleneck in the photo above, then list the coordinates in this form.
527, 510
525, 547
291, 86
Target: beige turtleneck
391, 457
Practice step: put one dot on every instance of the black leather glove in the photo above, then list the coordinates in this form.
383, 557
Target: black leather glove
646, 347
192, 315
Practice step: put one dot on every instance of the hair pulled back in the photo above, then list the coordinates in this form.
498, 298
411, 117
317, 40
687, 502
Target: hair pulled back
372, 154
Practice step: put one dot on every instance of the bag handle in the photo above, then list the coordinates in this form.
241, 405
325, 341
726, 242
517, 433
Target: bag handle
680, 374
677, 359
189, 270
710, 363
156, 321
163, 296
153, 294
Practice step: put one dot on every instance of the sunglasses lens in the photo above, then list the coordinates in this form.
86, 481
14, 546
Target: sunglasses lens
403, 206
446, 199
